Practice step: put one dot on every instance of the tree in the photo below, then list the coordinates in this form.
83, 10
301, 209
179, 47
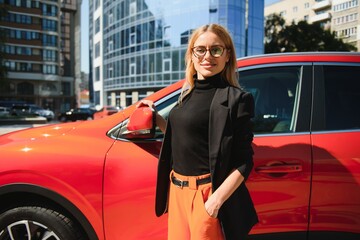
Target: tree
273, 26
300, 37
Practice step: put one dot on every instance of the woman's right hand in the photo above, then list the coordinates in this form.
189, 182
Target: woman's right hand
144, 103
160, 121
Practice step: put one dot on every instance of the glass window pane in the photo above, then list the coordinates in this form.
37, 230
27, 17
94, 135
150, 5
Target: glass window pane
341, 97
275, 92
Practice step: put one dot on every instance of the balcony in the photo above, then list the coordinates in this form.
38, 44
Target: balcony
321, 17
321, 5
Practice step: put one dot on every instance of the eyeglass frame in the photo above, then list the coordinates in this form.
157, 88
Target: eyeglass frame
208, 50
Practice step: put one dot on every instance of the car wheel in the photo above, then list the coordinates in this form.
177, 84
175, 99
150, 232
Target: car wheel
37, 223
89, 118
63, 119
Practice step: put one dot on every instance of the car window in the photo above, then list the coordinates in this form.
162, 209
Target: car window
276, 92
164, 109
341, 85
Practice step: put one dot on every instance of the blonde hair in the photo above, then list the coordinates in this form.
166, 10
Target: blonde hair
229, 73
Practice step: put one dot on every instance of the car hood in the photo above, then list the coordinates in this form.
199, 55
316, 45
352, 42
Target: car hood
37, 133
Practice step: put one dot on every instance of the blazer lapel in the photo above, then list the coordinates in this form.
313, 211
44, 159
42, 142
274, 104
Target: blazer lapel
217, 120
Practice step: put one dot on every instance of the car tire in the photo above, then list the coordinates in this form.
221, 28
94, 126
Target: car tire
63, 119
34, 223
89, 118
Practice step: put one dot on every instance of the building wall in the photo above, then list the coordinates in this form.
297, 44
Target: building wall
143, 42
340, 16
40, 52
292, 10
346, 21
97, 50
295, 11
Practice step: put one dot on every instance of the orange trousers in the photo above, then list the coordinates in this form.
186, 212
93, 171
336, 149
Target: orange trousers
187, 216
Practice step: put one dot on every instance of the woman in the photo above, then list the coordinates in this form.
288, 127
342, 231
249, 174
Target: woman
207, 153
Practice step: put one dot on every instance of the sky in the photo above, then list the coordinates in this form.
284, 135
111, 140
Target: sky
85, 34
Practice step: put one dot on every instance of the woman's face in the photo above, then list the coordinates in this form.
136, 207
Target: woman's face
208, 65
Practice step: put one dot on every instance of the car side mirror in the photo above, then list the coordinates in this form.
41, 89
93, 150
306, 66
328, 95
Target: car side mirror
141, 124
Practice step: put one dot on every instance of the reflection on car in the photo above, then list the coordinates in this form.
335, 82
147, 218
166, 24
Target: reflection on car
97, 178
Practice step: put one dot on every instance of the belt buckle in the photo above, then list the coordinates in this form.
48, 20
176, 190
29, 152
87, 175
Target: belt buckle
181, 183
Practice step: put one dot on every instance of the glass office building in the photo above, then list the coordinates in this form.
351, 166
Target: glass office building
138, 46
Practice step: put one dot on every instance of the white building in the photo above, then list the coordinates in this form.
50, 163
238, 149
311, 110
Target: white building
340, 16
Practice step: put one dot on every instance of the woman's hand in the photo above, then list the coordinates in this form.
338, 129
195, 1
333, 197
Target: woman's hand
160, 121
212, 206
148, 103
223, 192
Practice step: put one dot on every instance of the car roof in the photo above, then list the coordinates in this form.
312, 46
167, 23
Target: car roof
299, 57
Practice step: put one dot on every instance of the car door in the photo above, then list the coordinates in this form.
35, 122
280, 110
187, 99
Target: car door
280, 181
335, 195
129, 183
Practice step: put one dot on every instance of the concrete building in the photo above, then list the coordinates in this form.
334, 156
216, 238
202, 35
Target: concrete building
295, 11
138, 46
42, 52
346, 21
340, 16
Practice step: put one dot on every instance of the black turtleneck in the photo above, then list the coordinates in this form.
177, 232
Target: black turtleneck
190, 129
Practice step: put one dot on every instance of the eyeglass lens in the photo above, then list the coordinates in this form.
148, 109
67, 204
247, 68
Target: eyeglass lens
215, 51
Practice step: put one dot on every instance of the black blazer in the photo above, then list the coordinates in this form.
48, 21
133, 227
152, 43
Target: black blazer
230, 139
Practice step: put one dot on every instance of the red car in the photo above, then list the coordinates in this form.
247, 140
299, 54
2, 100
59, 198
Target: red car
105, 111
96, 179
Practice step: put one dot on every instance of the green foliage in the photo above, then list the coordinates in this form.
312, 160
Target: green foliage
300, 37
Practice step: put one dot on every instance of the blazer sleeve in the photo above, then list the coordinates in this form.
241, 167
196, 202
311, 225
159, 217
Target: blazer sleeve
164, 168
242, 151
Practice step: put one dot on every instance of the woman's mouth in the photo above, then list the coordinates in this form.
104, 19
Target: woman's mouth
207, 65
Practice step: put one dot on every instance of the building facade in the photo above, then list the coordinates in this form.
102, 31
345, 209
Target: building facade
138, 46
346, 21
42, 52
340, 16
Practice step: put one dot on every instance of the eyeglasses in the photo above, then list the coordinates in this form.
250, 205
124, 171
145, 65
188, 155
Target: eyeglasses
215, 51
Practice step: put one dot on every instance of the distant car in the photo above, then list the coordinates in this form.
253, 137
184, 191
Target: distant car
96, 179
105, 111
76, 114
31, 110
4, 111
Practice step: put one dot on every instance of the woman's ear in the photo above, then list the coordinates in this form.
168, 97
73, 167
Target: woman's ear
228, 56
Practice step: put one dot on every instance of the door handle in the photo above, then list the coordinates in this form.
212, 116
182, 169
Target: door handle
284, 168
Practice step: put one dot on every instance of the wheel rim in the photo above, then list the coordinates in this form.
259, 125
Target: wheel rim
29, 230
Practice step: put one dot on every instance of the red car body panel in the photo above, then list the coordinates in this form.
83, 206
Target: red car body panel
336, 181
285, 207
83, 148
112, 182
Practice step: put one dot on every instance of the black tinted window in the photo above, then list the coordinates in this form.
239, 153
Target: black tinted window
275, 91
342, 94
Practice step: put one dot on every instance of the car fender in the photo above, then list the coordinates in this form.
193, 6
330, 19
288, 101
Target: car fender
53, 192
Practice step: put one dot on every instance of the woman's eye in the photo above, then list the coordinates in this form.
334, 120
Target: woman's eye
200, 50
216, 50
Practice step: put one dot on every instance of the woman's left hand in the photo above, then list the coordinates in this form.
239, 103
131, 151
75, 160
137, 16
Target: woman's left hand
212, 206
